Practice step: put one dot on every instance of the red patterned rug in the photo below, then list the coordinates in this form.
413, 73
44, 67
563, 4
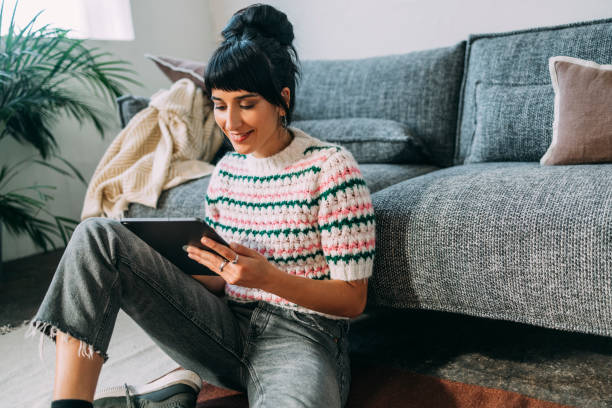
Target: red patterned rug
378, 386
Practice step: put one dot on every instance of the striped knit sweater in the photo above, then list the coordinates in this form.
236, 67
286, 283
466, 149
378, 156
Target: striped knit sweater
307, 209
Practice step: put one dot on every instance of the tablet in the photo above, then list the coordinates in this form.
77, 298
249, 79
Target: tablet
168, 235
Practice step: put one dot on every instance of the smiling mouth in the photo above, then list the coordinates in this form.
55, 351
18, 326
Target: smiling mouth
241, 137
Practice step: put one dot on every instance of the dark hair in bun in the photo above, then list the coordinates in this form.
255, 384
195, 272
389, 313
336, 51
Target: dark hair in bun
257, 55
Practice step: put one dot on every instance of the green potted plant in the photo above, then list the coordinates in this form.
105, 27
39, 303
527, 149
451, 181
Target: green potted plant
38, 72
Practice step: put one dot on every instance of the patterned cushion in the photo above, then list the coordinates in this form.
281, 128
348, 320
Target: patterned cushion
518, 62
418, 89
369, 140
515, 241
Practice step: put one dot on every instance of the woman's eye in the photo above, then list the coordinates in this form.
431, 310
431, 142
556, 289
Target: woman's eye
242, 106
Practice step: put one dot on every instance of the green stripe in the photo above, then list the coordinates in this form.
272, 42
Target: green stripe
321, 148
314, 169
349, 257
362, 219
296, 258
346, 185
297, 203
276, 232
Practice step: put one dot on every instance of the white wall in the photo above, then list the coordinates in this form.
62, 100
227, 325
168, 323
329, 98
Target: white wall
325, 29
183, 29
339, 29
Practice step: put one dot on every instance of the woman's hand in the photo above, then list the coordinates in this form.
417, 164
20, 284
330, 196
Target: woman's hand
252, 269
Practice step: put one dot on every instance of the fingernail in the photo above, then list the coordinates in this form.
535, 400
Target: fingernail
185, 248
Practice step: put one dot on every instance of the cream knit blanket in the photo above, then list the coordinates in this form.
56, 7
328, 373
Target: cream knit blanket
169, 142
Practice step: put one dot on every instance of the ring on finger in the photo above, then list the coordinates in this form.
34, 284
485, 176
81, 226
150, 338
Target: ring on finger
235, 261
225, 261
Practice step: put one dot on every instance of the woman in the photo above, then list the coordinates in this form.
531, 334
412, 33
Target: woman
299, 219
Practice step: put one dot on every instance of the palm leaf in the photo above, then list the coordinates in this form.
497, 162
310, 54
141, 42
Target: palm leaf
36, 66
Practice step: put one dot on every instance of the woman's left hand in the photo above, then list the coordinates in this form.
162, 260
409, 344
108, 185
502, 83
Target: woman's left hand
252, 270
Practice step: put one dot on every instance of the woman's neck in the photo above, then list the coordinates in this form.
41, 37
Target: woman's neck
285, 136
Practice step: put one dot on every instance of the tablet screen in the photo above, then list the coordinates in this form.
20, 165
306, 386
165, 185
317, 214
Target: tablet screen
168, 235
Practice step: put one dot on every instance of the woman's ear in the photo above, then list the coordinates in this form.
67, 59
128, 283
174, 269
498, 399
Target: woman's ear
286, 94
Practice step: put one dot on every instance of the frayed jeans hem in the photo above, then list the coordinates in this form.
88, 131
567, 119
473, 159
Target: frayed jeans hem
50, 329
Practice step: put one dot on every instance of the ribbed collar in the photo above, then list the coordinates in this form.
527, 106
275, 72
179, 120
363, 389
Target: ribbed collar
293, 152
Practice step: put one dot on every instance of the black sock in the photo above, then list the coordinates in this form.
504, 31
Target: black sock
71, 403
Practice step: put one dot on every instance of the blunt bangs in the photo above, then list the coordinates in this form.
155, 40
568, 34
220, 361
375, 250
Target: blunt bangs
239, 66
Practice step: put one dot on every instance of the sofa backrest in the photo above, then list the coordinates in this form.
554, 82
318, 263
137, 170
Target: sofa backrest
507, 100
420, 90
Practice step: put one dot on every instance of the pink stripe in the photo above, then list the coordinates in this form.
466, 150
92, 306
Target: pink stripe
230, 168
251, 297
355, 210
306, 163
347, 172
236, 221
281, 252
356, 245
262, 197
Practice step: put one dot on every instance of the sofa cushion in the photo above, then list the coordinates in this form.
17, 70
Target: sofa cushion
178, 68
513, 122
369, 140
187, 199
518, 62
129, 106
418, 89
514, 241
582, 129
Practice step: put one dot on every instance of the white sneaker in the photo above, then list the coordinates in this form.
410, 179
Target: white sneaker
179, 388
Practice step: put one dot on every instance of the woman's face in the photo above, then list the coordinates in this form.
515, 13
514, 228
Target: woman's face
249, 121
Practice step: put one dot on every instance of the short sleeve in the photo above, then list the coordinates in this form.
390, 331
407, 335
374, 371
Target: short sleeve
346, 218
210, 209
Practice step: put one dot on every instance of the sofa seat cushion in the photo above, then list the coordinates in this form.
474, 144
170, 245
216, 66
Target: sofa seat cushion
184, 200
380, 176
514, 241
187, 199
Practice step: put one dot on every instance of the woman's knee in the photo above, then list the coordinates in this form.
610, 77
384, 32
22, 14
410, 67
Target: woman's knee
95, 225
95, 231
95, 241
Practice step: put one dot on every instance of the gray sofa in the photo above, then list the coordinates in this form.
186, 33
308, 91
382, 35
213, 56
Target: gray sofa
449, 141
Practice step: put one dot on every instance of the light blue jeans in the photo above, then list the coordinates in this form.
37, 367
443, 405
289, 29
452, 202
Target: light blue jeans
279, 357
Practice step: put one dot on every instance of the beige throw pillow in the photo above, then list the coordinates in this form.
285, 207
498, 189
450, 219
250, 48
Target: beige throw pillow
177, 68
582, 127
